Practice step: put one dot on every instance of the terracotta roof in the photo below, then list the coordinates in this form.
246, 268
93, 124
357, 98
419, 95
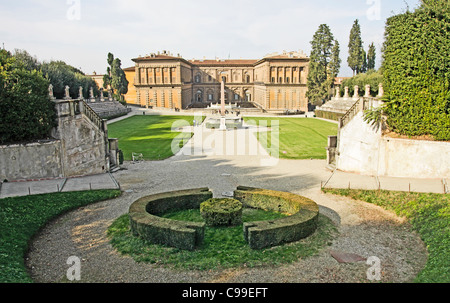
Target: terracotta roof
129, 69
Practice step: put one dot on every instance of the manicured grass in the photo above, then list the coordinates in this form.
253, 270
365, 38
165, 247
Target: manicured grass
150, 135
22, 217
429, 215
223, 247
299, 138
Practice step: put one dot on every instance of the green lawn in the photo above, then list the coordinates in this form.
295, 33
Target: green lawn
150, 135
429, 215
22, 217
299, 138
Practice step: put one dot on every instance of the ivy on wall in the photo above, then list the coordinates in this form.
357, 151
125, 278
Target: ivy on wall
416, 71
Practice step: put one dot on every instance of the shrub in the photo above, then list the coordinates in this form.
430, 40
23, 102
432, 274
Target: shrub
417, 71
26, 113
221, 212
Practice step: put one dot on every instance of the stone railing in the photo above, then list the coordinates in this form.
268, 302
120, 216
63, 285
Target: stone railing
361, 104
72, 107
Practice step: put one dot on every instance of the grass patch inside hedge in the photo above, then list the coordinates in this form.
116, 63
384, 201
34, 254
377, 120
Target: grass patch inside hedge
223, 247
429, 215
22, 217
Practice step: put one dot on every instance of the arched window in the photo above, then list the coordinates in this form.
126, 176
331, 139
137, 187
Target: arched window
199, 96
198, 78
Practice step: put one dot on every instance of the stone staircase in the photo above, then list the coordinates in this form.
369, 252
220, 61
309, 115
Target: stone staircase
108, 109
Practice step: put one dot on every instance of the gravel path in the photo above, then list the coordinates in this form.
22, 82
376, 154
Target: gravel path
364, 229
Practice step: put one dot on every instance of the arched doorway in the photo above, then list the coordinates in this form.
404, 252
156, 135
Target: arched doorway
199, 96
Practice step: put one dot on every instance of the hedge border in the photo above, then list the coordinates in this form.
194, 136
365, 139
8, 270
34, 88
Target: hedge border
302, 222
146, 223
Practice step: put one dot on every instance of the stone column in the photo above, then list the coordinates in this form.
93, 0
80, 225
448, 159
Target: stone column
222, 98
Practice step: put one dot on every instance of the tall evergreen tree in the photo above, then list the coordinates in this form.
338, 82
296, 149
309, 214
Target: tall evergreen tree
355, 49
115, 77
371, 57
335, 63
324, 65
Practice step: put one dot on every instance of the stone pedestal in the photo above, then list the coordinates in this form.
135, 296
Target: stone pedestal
223, 125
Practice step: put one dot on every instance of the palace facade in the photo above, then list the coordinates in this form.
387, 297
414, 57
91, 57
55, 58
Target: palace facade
276, 82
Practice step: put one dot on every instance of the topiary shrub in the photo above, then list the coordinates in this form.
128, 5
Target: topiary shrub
221, 212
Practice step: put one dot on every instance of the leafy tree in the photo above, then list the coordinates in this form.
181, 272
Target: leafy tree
115, 77
324, 65
355, 59
26, 113
61, 74
371, 77
371, 57
29, 62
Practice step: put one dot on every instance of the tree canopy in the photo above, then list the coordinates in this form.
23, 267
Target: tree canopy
324, 65
356, 57
26, 112
115, 77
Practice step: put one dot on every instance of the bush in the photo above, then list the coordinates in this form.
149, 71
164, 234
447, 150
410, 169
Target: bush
221, 212
26, 113
417, 71
372, 78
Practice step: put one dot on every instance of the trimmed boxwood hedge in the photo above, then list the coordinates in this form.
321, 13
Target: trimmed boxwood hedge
221, 212
301, 223
146, 223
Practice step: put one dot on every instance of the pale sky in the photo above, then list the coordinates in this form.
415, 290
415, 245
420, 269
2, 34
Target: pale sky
82, 32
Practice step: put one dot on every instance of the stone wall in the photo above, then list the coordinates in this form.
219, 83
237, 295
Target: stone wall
38, 160
79, 147
363, 149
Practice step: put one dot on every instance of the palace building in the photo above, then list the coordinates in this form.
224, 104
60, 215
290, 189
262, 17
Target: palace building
275, 82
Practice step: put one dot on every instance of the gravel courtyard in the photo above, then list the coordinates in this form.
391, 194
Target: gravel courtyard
364, 229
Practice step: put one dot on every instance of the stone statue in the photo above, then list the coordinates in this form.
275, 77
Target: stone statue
346, 92
50, 92
101, 95
356, 94
91, 93
109, 95
367, 91
338, 92
80, 93
67, 93
380, 90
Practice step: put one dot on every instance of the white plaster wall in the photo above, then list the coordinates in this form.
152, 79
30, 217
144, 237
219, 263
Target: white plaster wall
362, 149
358, 147
414, 158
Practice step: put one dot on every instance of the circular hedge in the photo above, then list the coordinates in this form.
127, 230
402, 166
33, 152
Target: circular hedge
221, 212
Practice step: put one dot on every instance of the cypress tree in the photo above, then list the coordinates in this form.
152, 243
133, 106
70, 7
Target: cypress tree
371, 57
324, 65
355, 49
